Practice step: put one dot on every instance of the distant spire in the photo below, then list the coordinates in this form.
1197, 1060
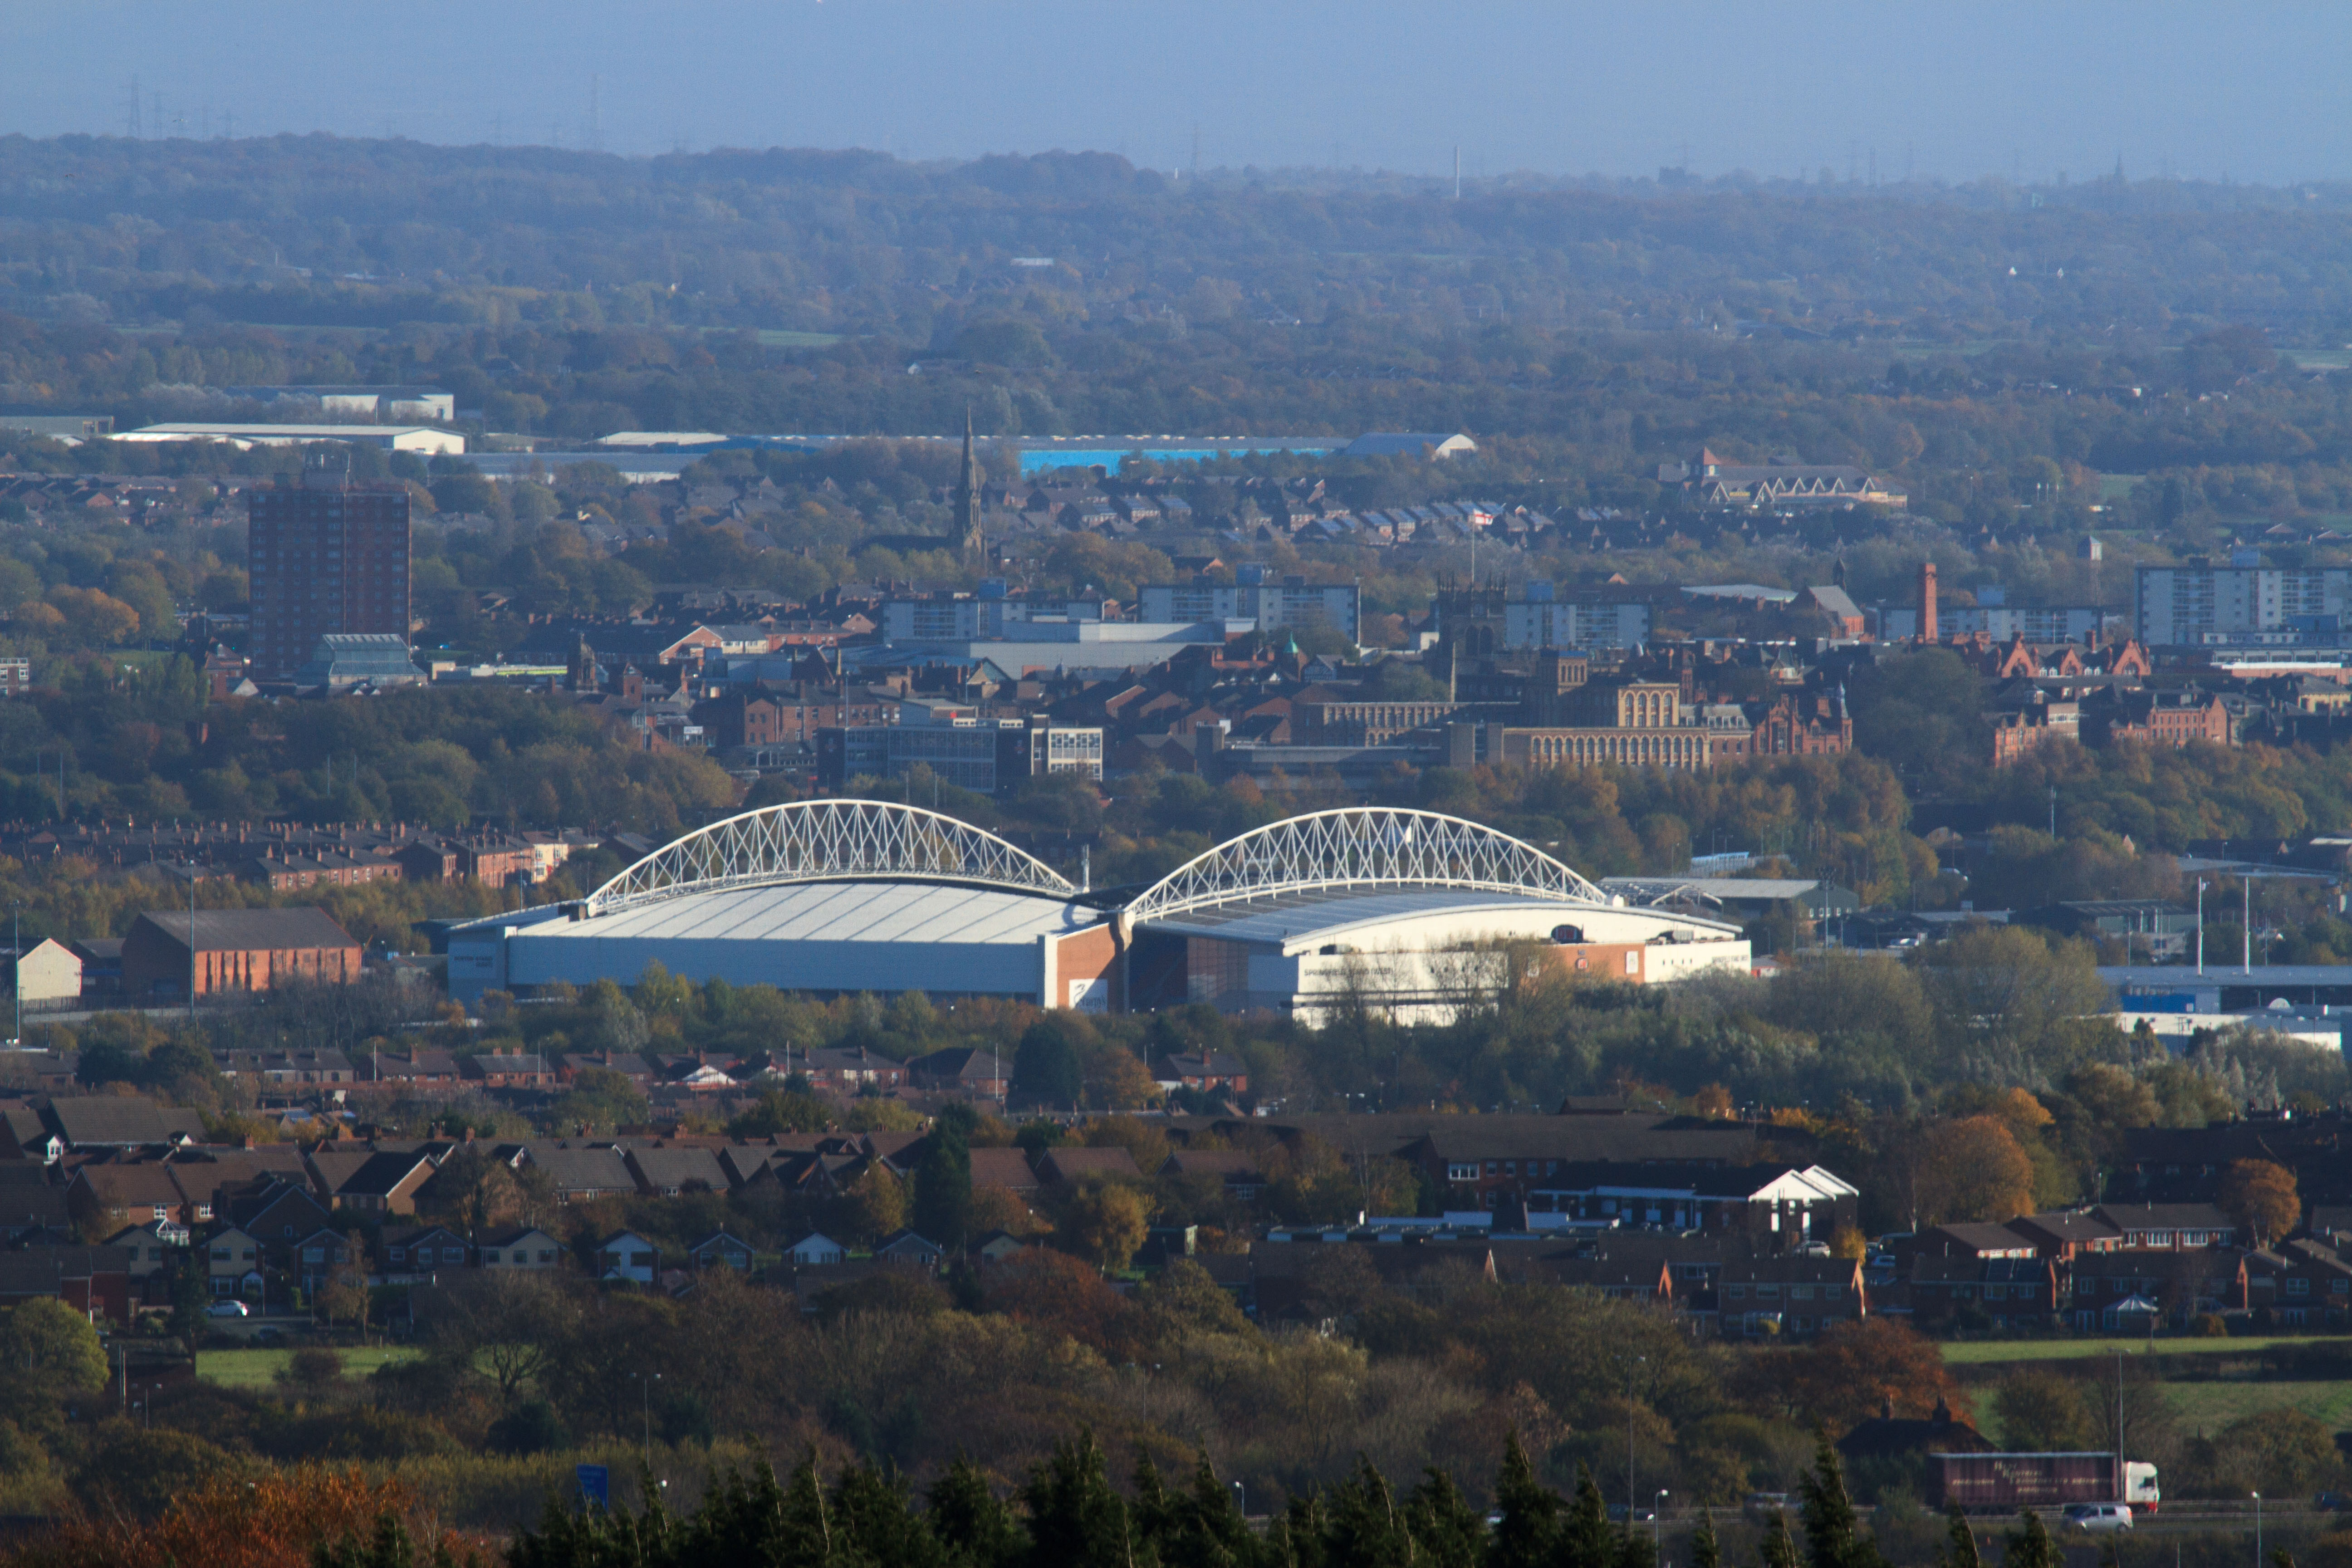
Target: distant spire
967, 499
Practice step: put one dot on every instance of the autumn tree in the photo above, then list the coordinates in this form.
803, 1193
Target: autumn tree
1842, 1377
344, 1298
2041, 1411
1970, 1169
1103, 1222
2260, 1196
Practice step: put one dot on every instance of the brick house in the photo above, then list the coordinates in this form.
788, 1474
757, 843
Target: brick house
2178, 1226
383, 1184
231, 1262
962, 1069
2301, 1284
2066, 1234
2007, 1292
1794, 1297
523, 1247
105, 1198
2181, 1282
419, 1249
237, 951
506, 1070
1205, 1070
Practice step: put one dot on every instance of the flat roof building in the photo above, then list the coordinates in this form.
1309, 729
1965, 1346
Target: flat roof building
388, 438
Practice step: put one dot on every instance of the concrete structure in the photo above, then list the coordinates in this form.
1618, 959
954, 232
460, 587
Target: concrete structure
73, 429
236, 951
387, 437
344, 659
1046, 647
1408, 912
1292, 603
331, 556
387, 405
2002, 622
2205, 605
49, 976
986, 758
1409, 444
1540, 621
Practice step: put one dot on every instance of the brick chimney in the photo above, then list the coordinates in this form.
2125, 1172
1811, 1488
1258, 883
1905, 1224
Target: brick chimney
1927, 633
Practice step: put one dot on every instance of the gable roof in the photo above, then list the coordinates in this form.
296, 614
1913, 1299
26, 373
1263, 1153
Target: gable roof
600, 1169
245, 930
1069, 1165
674, 1169
119, 1121
1002, 1168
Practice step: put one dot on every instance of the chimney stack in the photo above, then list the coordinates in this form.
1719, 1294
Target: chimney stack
1927, 633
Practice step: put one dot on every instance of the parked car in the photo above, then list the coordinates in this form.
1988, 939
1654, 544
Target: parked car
228, 1309
2090, 1517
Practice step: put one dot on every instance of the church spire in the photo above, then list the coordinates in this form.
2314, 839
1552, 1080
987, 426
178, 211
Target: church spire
967, 498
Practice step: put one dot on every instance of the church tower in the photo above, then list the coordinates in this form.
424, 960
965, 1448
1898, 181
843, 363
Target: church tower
967, 498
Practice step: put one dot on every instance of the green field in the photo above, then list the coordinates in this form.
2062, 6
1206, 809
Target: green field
779, 338
257, 1368
2318, 358
1982, 1352
2203, 1406
2117, 486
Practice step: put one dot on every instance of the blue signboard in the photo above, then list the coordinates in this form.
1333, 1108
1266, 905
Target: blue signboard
596, 1485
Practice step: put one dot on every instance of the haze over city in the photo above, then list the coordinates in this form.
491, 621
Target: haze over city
1948, 92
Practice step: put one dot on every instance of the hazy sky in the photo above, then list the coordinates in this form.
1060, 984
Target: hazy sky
1956, 89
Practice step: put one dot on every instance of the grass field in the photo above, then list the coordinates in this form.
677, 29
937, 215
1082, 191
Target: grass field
257, 1368
1980, 1352
2203, 1406
780, 338
2318, 358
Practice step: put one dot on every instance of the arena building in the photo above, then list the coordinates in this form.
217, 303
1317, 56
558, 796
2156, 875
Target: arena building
1410, 913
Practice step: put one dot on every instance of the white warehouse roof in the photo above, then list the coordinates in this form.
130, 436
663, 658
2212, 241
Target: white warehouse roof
813, 936
390, 438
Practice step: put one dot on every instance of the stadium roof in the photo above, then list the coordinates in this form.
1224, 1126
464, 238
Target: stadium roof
1325, 914
863, 935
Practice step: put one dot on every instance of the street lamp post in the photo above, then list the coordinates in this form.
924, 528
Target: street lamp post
1658, 1528
2258, 1530
646, 1402
1631, 1362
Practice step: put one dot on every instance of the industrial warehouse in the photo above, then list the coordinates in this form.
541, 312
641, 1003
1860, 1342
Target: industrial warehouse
1409, 912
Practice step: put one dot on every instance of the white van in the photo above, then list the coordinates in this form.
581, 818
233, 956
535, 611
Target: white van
2098, 1516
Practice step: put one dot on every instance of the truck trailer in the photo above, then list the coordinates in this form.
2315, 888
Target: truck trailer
2004, 1483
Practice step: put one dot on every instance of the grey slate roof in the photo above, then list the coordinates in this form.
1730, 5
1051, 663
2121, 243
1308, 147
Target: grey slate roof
245, 930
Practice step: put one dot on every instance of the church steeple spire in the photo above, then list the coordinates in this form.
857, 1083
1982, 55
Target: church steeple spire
967, 498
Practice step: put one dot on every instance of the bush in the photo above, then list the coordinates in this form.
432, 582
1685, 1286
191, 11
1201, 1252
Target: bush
310, 1371
531, 1427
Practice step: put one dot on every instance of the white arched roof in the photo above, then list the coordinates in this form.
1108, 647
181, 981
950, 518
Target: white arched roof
1362, 846
827, 840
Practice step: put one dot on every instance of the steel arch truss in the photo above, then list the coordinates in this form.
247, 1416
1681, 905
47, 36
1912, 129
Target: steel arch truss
1362, 846
827, 840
